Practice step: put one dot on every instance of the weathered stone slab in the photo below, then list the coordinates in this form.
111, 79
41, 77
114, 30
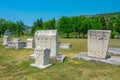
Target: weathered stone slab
30, 43
98, 41
67, 46
114, 50
48, 39
58, 58
42, 59
7, 33
16, 39
16, 44
114, 60
6, 39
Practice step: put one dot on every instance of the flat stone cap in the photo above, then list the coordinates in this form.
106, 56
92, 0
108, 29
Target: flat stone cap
46, 32
30, 39
99, 30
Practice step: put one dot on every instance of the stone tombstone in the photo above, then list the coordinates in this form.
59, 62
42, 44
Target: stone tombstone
48, 39
42, 57
98, 42
7, 33
6, 39
67, 46
16, 39
16, 44
30, 43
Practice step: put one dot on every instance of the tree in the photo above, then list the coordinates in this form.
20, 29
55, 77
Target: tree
49, 24
37, 25
103, 22
117, 28
65, 26
20, 27
52, 24
86, 26
96, 24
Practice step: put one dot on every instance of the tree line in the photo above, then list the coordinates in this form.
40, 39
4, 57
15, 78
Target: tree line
16, 28
76, 26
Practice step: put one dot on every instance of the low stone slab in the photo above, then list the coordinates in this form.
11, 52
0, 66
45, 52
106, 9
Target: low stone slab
16, 44
67, 46
114, 60
40, 67
114, 50
58, 58
16, 39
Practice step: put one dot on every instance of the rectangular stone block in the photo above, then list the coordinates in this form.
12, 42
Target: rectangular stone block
42, 57
16, 39
6, 39
48, 39
98, 42
67, 46
30, 43
16, 44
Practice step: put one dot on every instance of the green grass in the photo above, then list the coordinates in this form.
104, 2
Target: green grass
15, 65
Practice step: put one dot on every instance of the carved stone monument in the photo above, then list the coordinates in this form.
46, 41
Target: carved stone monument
67, 46
42, 58
7, 33
5, 40
16, 44
6, 37
98, 42
16, 39
48, 39
30, 43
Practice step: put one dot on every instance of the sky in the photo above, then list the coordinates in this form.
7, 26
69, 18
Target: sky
29, 11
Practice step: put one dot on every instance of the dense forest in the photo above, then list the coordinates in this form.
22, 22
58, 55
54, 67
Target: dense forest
75, 26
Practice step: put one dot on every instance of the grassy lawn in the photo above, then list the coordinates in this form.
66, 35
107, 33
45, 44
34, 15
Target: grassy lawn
15, 65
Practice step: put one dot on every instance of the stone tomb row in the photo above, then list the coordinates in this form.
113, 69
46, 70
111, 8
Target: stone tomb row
16, 43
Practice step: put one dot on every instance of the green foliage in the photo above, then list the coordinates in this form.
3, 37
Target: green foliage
113, 34
117, 28
65, 25
17, 28
81, 24
37, 25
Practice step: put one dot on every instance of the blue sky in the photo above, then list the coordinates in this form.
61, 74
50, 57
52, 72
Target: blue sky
30, 10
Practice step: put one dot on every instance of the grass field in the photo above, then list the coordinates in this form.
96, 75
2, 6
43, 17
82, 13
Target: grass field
15, 65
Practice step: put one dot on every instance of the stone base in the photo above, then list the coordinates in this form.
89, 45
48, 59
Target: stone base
114, 60
41, 67
32, 56
58, 58
28, 48
114, 50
